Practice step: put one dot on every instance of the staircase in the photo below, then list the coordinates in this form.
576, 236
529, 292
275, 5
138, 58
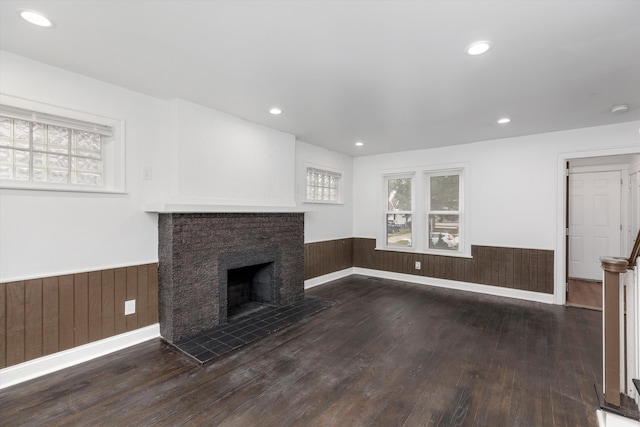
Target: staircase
621, 341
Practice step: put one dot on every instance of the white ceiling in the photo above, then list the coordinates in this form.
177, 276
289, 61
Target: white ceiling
393, 74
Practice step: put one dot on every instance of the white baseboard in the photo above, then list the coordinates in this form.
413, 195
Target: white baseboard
607, 419
463, 286
64, 359
320, 280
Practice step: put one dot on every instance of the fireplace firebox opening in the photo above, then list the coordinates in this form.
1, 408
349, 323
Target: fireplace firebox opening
249, 289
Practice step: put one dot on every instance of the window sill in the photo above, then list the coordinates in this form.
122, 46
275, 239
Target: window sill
59, 188
320, 202
431, 252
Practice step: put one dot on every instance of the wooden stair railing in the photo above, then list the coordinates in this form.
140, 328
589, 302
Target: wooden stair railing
613, 267
635, 252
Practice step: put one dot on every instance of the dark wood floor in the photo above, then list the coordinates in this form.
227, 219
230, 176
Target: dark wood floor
585, 293
389, 354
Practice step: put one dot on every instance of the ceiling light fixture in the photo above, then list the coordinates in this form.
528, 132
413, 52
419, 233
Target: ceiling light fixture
478, 48
35, 18
359, 144
275, 111
619, 109
504, 120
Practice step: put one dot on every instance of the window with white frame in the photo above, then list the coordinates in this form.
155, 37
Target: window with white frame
424, 212
443, 210
399, 211
323, 186
45, 151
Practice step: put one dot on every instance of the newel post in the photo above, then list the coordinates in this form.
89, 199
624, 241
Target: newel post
612, 267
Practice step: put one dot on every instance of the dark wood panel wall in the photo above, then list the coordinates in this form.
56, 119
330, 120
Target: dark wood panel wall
327, 257
44, 316
523, 269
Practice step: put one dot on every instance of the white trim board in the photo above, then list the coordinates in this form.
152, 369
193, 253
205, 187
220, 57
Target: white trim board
607, 419
430, 281
321, 280
462, 286
74, 356
74, 271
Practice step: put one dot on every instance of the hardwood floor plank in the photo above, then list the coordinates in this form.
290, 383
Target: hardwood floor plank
388, 353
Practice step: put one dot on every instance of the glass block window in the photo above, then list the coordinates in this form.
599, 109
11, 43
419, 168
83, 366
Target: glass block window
41, 148
323, 186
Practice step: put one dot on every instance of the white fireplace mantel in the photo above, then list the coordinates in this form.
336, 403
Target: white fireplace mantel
187, 207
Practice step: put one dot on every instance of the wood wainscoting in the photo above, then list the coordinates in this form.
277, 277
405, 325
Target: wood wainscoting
326, 257
43, 316
516, 268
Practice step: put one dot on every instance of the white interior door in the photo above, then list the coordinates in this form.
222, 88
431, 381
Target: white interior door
594, 221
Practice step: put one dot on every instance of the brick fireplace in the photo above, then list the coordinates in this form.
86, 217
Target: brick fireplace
205, 258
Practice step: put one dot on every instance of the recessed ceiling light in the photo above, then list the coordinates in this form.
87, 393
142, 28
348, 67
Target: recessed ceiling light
35, 18
619, 109
504, 120
478, 48
359, 144
275, 111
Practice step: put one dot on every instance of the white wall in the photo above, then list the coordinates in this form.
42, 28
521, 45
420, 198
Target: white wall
513, 182
221, 159
325, 221
194, 154
46, 233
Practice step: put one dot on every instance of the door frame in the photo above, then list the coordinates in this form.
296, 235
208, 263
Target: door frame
561, 252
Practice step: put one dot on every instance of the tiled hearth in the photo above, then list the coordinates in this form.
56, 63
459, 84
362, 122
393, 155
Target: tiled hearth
213, 343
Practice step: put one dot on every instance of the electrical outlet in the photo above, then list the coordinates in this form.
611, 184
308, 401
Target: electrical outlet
418, 265
129, 307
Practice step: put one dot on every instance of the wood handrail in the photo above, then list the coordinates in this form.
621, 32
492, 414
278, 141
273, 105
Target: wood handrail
611, 311
635, 253
612, 267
